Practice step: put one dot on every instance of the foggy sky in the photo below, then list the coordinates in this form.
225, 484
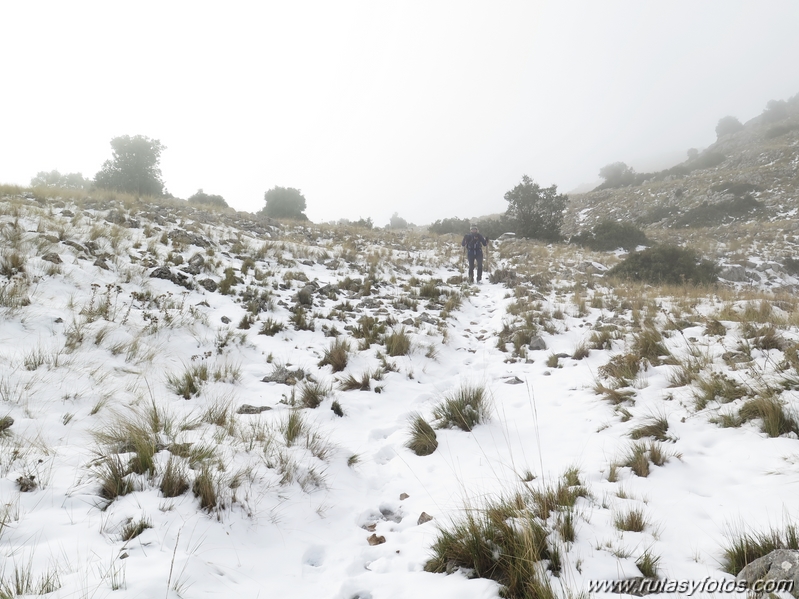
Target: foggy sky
430, 109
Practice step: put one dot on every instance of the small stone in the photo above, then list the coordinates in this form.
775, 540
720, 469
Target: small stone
6, 422
248, 409
424, 517
225, 320
376, 540
371, 527
404, 496
514, 380
52, 257
26, 483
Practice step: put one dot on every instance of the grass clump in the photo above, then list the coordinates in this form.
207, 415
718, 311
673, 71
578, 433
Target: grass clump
656, 427
716, 387
744, 547
174, 482
422, 439
312, 394
132, 529
271, 327
648, 344
464, 408
351, 383
640, 455
632, 521
398, 343
623, 367
337, 355
648, 564
775, 419
501, 541
188, 384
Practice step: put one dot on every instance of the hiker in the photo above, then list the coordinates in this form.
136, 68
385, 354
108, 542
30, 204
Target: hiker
474, 242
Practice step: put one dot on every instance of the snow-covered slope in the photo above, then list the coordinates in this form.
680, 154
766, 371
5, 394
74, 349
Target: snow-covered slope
126, 388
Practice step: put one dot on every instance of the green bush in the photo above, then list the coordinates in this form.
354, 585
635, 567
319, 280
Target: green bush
201, 198
608, 235
710, 215
667, 264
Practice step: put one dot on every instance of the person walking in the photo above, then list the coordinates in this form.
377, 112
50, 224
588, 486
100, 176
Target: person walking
474, 242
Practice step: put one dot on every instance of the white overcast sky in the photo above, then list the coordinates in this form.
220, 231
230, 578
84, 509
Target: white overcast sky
428, 108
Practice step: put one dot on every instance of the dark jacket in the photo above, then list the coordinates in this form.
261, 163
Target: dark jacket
474, 243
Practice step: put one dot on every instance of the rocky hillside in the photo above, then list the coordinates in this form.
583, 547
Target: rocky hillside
749, 175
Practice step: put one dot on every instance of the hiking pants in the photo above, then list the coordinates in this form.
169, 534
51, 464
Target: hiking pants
472, 259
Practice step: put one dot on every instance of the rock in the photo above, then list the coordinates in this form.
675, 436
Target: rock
72, 244
6, 422
208, 284
376, 540
52, 257
424, 517
404, 496
426, 318
101, 263
185, 238
197, 260
163, 272
736, 274
67, 213
248, 409
115, 217
781, 564
225, 320
537, 344
514, 380
284, 376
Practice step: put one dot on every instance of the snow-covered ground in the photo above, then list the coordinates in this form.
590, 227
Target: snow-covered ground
84, 348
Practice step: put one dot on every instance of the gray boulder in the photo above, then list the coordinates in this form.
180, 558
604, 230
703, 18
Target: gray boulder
538, 344
781, 564
736, 274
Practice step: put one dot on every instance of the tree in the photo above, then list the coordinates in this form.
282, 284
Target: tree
535, 212
397, 222
616, 174
134, 166
56, 179
207, 199
284, 202
727, 125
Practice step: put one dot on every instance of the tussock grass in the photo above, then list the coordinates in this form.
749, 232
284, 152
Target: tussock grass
351, 383
744, 547
648, 344
716, 387
133, 528
205, 488
648, 564
312, 394
632, 521
775, 419
614, 395
464, 408
398, 343
555, 498
337, 355
656, 427
174, 481
422, 438
640, 455
623, 367
188, 384
501, 540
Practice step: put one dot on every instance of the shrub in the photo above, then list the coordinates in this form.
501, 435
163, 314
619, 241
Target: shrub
725, 211
728, 125
535, 212
464, 408
422, 439
204, 199
610, 235
667, 264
